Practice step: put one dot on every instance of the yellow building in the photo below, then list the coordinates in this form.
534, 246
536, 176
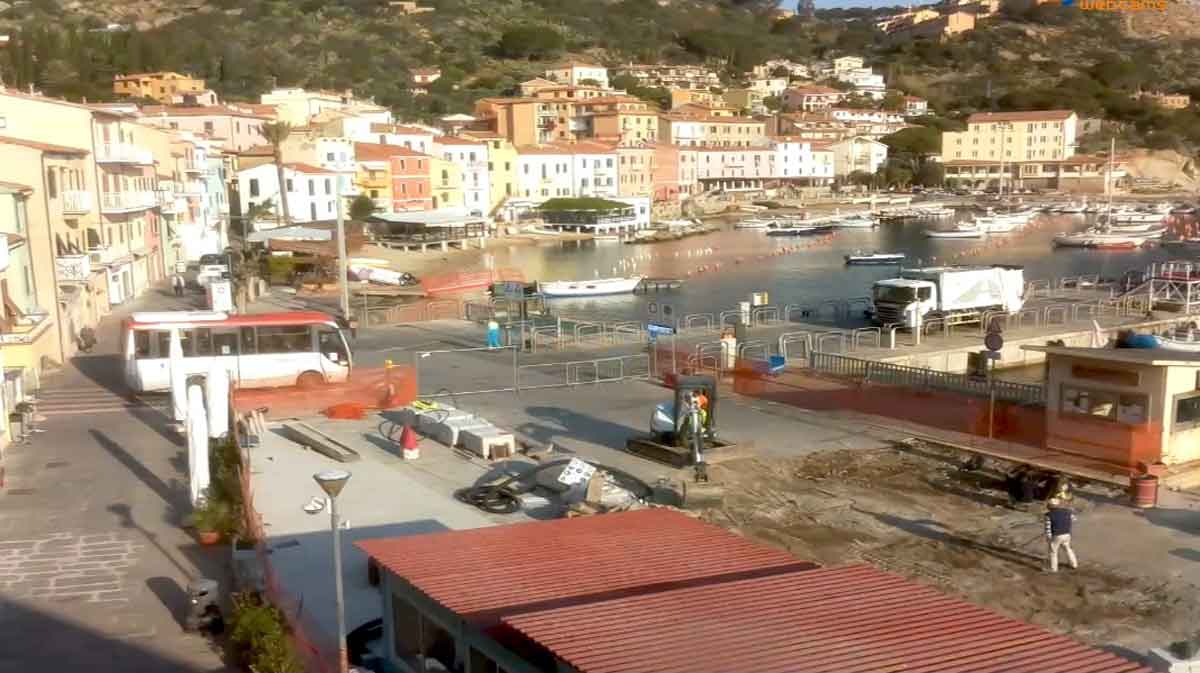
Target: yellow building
374, 174
635, 172
502, 166
1013, 137
163, 87
681, 97
446, 184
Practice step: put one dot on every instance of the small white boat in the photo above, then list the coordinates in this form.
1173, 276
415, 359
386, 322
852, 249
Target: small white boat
1136, 216
1133, 227
875, 259
956, 233
753, 223
589, 288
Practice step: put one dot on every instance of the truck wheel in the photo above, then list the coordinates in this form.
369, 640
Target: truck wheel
310, 380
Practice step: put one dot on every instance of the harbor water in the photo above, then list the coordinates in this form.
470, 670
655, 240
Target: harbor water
722, 268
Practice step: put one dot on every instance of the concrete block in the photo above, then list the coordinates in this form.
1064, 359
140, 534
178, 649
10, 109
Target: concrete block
486, 441
450, 432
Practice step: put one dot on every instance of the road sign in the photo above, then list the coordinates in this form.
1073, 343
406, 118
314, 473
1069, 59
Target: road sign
993, 341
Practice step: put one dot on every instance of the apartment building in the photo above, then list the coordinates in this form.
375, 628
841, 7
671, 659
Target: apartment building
446, 183
623, 120
471, 159
681, 97
411, 186
164, 87
415, 138
502, 166
732, 131
845, 64
672, 76
1013, 137
811, 98
577, 73
594, 170
861, 116
747, 100
795, 70
796, 161
238, 128
306, 147
544, 172
735, 169
865, 82
374, 175
858, 154
296, 105
936, 28
912, 106
1079, 173
635, 170
311, 193
680, 129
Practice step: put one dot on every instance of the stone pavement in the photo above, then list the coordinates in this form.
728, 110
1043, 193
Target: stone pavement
93, 564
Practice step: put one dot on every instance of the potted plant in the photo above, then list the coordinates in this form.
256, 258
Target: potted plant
211, 520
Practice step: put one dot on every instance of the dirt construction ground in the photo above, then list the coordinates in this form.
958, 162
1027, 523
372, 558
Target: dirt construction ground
915, 511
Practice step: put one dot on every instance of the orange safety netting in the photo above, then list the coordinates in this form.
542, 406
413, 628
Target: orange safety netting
366, 390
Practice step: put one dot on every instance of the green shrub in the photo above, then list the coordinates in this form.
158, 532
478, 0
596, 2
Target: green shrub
258, 634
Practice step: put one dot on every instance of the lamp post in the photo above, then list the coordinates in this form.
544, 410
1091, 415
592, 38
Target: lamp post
332, 482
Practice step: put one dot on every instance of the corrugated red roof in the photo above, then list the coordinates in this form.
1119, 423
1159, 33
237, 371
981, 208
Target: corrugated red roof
852, 618
550, 564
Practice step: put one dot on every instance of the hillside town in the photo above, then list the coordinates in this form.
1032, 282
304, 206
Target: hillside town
299, 382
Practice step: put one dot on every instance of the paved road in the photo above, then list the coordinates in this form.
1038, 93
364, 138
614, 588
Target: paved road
93, 565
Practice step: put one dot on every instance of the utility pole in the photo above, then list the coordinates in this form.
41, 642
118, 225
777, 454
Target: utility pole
343, 286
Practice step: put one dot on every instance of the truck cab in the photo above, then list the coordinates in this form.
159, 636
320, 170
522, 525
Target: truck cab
896, 298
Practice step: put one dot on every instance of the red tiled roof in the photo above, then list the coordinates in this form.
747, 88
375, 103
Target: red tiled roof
45, 147
382, 152
1029, 116
197, 111
853, 618
308, 168
656, 590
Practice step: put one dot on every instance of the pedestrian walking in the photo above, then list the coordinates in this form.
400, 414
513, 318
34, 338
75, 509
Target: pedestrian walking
177, 283
1059, 518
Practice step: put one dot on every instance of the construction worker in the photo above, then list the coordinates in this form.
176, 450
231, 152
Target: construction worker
1059, 518
702, 404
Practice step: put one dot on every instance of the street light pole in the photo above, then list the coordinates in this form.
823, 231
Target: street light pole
332, 482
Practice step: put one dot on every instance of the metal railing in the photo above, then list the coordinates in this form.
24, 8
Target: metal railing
871, 371
583, 372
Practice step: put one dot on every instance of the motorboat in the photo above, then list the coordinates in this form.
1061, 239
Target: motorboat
856, 222
589, 288
1100, 240
875, 259
754, 223
1133, 227
800, 230
1135, 216
954, 233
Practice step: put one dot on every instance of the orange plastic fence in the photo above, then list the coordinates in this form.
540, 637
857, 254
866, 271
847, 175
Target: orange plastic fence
374, 388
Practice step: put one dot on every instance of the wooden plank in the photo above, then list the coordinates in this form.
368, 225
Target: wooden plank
314, 439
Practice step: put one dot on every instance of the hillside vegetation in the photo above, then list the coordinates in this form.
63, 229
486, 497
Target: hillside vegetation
1051, 58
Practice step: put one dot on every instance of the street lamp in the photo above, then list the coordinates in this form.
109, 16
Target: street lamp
332, 482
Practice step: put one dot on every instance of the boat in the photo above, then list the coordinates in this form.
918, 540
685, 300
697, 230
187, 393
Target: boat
589, 288
753, 223
955, 233
1135, 216
856, 222
1094, 238
874, 259
1133, 227
809, 230
1158, 342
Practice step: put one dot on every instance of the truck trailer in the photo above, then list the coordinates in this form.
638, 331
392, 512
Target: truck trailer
948, 292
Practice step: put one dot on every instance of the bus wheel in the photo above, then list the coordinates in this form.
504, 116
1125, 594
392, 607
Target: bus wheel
310, 380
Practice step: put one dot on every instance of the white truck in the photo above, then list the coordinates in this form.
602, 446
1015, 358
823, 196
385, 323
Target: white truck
953, 293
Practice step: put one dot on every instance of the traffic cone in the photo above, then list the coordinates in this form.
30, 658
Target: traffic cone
408, 444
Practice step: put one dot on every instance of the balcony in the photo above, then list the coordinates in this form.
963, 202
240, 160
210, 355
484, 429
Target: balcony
123, 153
72, 268
102, 256
76, 202
127, 202
27, 329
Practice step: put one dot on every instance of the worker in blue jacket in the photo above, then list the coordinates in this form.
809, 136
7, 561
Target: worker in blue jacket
1059, 519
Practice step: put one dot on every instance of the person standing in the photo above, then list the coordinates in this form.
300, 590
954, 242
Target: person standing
493, 334
1059, 519
177, 283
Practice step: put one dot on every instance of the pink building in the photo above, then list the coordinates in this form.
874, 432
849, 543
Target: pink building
675, 172
236, 127
411, 188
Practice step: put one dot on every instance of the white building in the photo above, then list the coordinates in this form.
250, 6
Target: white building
846, 64
297, 105
865, 82
578, 74
415, 138
915, 107
544, 172
769, 86
860, 116
858, 154
471, 158
797, 159
594, 170
311, 192
207, 233
795, 70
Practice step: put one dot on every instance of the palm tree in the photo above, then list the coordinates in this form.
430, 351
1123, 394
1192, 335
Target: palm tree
276, 133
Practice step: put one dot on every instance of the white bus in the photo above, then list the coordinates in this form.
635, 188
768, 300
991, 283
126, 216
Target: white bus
263, 350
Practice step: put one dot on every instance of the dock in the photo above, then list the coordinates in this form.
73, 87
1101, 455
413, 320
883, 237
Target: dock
649, 285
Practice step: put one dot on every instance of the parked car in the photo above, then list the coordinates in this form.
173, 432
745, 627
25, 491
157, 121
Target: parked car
209, 268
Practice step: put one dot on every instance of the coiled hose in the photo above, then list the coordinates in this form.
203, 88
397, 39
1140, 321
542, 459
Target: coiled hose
505, 497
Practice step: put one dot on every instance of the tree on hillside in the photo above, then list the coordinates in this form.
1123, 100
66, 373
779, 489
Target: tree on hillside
530, 41
920, 141
276, 133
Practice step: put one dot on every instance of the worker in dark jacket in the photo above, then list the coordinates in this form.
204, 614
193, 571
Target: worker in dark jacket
1058, 532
